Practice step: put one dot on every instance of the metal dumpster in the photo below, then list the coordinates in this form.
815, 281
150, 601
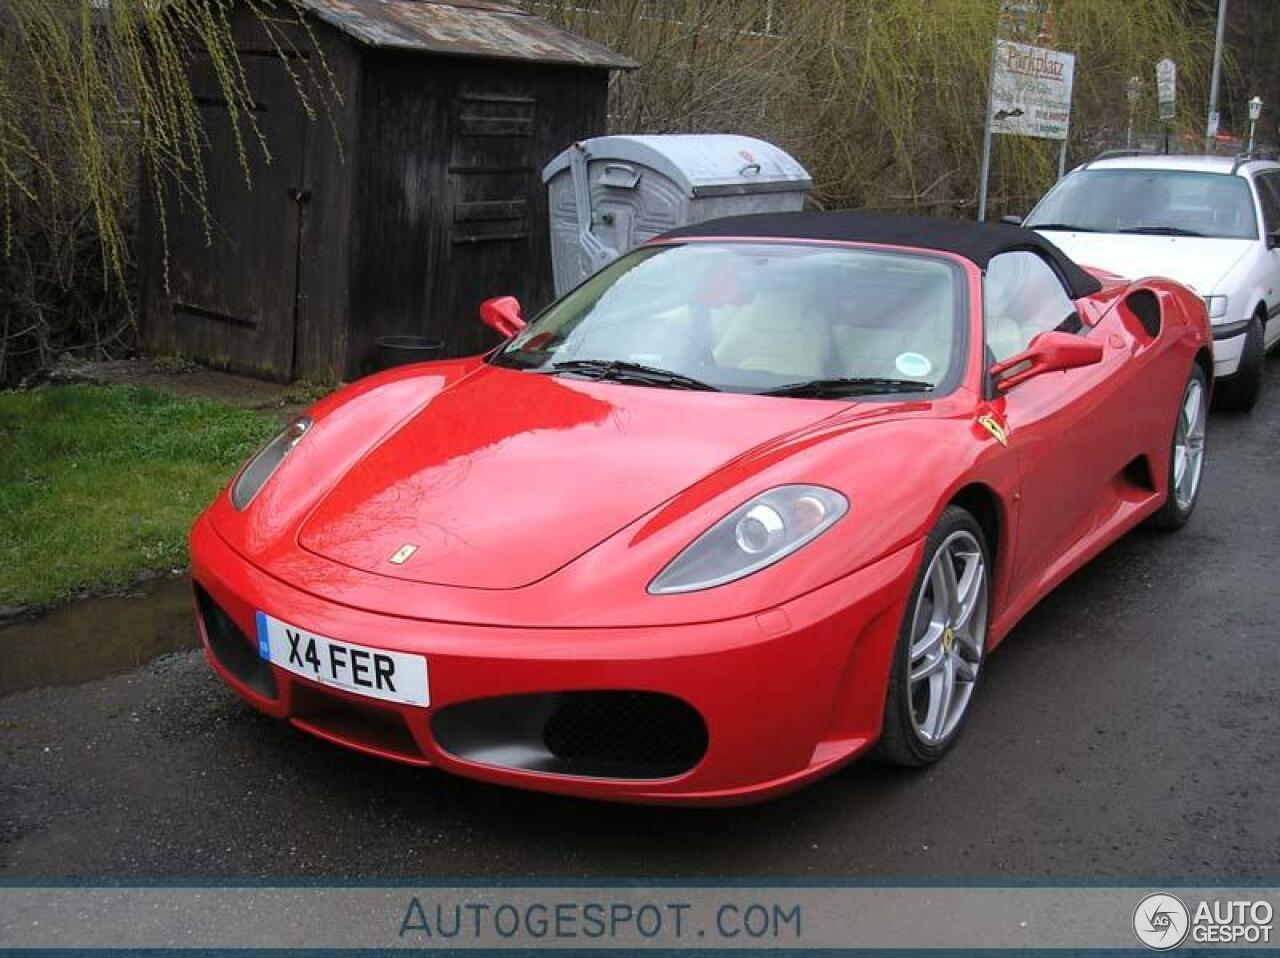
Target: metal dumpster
611, 193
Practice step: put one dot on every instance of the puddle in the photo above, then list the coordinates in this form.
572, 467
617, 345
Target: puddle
92, 638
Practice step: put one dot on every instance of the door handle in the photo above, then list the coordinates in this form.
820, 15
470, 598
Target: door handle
300, 195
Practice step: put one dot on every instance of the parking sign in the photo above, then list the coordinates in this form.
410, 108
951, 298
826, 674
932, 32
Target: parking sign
1031, 91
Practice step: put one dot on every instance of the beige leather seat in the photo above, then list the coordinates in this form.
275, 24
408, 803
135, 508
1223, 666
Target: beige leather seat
924, 326
772, 333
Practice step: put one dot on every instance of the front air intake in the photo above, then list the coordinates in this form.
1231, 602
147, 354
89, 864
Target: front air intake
234, 650
600, 734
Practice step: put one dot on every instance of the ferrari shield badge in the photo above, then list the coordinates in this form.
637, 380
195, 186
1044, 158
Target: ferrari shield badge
403, 554
991, 425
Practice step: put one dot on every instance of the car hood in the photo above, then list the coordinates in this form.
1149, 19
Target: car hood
1199, 263
506, 476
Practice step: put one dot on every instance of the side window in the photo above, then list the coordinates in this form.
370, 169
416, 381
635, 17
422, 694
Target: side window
1023, 297
1269, 194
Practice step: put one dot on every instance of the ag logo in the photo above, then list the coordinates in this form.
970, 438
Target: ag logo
1161, 921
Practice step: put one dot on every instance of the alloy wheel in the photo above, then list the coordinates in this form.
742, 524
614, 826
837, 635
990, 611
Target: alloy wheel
948, 630
1188, 445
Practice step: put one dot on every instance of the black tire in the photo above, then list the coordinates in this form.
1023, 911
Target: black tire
900, 741
1172, 514
1239, 392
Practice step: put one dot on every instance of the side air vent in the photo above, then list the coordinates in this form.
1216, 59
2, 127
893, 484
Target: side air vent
1137, 473
1146, 307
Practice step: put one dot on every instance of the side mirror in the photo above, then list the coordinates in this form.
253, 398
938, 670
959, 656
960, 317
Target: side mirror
502, 314
1012, 219
1273, 239
1048, 352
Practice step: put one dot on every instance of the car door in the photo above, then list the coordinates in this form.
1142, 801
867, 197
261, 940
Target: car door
1268, 184
1069, 429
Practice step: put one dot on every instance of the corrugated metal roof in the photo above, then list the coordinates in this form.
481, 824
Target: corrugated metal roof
476, 28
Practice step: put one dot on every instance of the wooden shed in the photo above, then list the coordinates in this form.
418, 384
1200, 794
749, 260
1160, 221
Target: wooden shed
427, 200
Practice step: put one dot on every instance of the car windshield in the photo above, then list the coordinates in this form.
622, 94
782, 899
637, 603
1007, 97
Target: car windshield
1160, 202
755, 317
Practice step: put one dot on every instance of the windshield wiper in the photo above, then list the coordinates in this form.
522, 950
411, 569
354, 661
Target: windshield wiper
850, 386
620, 370
1161, 231
1070, 227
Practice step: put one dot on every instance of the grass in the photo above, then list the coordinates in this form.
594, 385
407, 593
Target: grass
304, 393
101, 483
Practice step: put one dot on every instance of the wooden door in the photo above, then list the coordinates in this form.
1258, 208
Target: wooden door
233, 289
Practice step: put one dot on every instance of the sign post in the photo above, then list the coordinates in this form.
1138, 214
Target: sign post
1167, 94
1030, 96
1211, 128
1132, 91
984, 177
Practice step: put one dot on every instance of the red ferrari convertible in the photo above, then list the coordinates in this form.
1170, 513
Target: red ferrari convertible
757, 498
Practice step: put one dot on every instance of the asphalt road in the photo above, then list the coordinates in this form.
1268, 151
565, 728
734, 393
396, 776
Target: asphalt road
1127, 729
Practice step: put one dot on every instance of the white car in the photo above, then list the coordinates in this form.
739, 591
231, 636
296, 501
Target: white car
1209, 222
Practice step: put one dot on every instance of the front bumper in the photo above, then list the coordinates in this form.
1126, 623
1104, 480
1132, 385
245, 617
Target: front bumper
786, 695
1228, 345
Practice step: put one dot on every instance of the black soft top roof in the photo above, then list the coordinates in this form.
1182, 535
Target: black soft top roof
978, 242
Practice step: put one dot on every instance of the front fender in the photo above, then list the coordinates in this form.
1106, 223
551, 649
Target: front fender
1246, 287
898, 476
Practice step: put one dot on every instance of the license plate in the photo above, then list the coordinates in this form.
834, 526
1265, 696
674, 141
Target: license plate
376, 673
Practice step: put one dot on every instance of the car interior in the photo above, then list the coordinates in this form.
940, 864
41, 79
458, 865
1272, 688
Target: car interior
1023, 297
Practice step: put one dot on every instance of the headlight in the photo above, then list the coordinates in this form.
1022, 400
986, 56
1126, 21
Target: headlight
260, 468
757, 534
1217, 306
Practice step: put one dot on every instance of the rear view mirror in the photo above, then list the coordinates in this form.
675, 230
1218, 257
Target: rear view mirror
502, 314
1048, 352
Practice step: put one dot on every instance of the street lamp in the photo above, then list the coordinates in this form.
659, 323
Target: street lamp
1255, 111
1133, 91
